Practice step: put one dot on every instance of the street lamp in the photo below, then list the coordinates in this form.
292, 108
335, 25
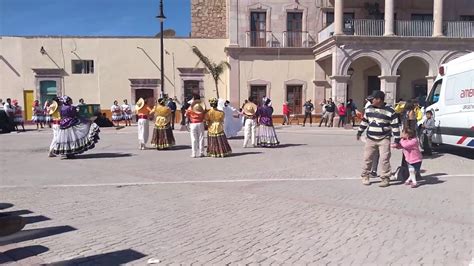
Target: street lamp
350, 72
162, 18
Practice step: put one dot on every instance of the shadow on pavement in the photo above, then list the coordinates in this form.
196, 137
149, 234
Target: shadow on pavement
4, 206
113, 258
18, 254
244, 153
430, 180
457, 151
34, 234
35, 219
287, 145
180, 147
236, 138
102, 155
16, 213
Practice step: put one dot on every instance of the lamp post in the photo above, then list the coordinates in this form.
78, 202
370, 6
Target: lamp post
162, 18
350, 72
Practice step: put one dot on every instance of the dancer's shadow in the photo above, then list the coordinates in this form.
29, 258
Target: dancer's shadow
236, 138
105, 155
5, 206
18, 254
288, 145
244, 153
31, 234
180, 147
112, 258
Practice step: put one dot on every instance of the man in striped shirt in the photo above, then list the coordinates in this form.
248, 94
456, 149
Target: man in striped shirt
381, 123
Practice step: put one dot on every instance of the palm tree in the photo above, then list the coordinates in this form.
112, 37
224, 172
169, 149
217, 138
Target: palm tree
216, 70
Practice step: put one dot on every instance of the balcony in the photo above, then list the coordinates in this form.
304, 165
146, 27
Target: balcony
404, 28
286, 39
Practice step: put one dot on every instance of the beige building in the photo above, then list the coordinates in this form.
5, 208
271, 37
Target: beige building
286, 50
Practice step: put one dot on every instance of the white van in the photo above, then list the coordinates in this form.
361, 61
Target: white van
451, 101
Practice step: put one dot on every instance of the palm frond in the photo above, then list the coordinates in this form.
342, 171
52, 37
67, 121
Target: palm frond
207, 63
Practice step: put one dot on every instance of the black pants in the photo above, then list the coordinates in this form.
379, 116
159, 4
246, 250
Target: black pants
173, 118
183, 117
306, 114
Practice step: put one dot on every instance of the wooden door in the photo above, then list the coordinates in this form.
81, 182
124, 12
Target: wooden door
257, 93
258, 29
294, 97
294, 27
28, 97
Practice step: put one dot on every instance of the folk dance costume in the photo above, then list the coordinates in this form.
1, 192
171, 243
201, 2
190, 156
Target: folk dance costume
250, 123
47, 115
126, 112
54, 113
116, 112
195, 114
266, 132
162, 134
232, 125
38, 113
142, 113
18, 118
74, 136
217, 144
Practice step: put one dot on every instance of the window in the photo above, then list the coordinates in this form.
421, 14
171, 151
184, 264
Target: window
423, 17
435, 92
467, 18
373, 84
330, 17
191, 87
258, 29
82, 66
257, 92
294, 27
294, 98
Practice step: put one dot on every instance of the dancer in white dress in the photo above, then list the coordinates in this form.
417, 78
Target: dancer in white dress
232, 124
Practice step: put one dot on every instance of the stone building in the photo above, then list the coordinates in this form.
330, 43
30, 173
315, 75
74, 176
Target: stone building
286, 50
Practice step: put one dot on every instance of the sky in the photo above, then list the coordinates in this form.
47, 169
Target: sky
92, 17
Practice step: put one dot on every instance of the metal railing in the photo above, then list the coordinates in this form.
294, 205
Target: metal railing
414, 28
459, 29
298, 39
368, 27
326, 33
256, 38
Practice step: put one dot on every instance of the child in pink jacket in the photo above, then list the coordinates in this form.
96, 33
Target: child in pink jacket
411, 149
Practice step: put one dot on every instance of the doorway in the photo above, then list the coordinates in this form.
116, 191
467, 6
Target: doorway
294, 98
28, 97
146, 94
257, 92
48, 90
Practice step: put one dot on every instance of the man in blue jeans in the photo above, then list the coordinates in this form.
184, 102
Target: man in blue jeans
308, 109
172, 106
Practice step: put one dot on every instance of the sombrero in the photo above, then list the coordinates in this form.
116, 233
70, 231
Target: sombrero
140, 103
53, 107
198, 107
250, 108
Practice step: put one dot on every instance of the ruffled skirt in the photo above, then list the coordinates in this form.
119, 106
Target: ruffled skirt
37, 118
217, 145
48, 119
117, 117
266, 136
127, 117
163, 138
18, 120
76, 139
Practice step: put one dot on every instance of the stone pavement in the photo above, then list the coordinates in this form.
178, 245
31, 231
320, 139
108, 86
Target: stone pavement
302, 203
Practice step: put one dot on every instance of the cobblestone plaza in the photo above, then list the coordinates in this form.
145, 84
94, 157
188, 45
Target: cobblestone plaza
300, 203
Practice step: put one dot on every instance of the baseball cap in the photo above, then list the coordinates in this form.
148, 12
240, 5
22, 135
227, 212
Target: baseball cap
377, 95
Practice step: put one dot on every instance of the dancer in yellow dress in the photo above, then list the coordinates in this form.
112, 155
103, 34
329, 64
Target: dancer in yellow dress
217, 144
162, 134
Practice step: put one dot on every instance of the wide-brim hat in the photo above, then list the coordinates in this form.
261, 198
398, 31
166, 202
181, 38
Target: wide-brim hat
53, 107
198, 106
250, 108
140, 103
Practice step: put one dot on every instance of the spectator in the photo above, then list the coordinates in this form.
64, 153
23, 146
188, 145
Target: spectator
351, 109
330, 109
286, 113
18, 116
184, 106
308, 109
81, 102
381, 123
427, 133
173, 107
324, 113
341, 110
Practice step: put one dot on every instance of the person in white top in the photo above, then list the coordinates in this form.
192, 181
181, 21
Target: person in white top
232, 125
127, 113
116, 113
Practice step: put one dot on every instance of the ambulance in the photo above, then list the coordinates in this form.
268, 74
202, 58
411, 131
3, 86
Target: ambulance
451, 100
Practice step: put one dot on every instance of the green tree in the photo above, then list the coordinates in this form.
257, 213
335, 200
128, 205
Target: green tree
216, 70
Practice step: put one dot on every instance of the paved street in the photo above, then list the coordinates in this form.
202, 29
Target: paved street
301, 203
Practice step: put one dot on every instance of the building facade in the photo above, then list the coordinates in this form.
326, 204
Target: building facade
286, 50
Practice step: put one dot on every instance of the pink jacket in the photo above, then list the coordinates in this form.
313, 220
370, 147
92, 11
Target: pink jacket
411, 150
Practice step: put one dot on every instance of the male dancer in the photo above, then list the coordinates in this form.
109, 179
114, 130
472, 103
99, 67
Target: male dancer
195, 114
142, 112
250, 122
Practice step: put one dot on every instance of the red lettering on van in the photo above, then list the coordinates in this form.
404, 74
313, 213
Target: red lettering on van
467, 93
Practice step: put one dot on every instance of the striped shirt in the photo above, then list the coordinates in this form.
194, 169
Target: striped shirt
380, 123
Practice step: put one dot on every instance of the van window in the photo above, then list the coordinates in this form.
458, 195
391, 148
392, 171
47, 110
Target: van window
435, 92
